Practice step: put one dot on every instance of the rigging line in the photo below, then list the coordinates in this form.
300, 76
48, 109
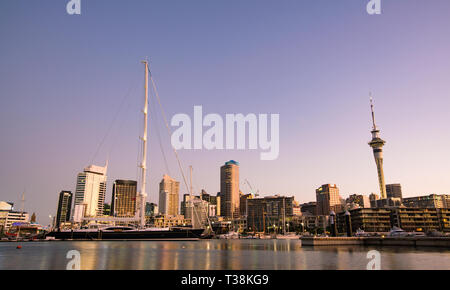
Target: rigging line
156, 126
111, 124
168, 129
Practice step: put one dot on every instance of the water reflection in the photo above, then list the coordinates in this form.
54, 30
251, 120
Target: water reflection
215, 255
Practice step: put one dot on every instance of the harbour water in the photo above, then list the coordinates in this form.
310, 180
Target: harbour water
214, 255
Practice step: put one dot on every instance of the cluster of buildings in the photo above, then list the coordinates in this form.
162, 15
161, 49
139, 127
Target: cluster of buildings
231, 209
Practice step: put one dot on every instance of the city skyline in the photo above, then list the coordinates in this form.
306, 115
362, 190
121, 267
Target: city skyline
61, 95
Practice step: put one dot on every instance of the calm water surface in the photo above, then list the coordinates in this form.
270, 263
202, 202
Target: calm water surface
215, 255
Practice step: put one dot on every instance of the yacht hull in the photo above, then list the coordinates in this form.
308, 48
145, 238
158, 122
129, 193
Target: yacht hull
173, 234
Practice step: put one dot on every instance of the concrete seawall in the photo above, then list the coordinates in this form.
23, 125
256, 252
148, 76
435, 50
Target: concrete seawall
377, 241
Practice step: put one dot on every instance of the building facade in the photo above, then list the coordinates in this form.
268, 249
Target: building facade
123, 203
394, 190
229, 190
428, 201
328, 199
64, 208
91, 190
269, 213
169, 190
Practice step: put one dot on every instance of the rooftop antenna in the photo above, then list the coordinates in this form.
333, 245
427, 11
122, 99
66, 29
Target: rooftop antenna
373, 113
22, 203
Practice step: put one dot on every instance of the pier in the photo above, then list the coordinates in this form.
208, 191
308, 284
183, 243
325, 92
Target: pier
377, 241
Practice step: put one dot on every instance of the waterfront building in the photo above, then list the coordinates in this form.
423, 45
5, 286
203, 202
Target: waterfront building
64, 208
314, 223
428, 201
269, 212
91, 190
123, 203
444, 219
166, 221
416, 219
196, 210
394, 190
9, 217
240, 225
366, 219
296, 209
377, 147
229, 190
168, 195
328, 199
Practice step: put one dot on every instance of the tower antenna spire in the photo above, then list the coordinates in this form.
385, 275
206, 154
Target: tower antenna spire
373, 112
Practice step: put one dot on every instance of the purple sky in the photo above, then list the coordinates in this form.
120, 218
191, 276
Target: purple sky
63, 78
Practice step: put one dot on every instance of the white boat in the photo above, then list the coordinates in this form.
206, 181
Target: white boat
397, 232
288, 236
229, 236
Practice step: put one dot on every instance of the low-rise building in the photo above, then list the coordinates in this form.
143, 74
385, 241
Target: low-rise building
416, 219
366, 219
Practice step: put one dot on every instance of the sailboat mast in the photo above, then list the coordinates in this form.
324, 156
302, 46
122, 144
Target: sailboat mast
143, 194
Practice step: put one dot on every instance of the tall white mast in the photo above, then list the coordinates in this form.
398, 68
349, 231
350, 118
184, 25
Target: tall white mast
143, 194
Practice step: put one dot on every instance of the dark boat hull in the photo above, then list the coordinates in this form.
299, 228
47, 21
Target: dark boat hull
174, 234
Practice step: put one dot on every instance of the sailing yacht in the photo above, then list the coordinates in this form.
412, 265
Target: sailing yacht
102, 232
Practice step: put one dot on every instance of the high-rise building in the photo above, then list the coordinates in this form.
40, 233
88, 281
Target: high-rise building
394, 190
123, 203
91, 190
377, 146
229, 189
169, 195
328, 199
64, 208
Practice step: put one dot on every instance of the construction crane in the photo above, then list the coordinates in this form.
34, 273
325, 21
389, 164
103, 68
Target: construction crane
251, 188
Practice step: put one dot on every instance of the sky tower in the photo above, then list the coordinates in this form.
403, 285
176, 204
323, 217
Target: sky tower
377, 145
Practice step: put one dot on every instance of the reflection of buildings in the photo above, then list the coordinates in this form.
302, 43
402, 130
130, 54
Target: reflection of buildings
123, 202
229, 189
168, 195
91, 189
64, 208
